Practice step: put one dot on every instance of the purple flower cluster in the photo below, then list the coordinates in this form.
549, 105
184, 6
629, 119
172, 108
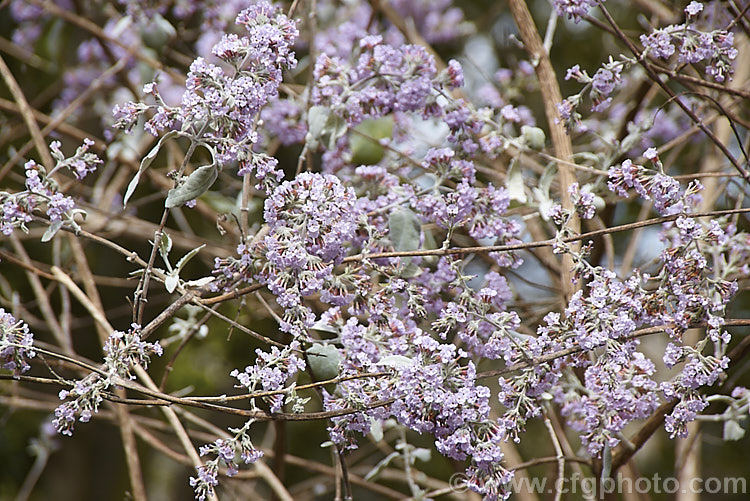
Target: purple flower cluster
226, 450
438, 21
16, 344
220, 107
479, 210
314, 211
479, 319
122, 350
616, 392
574, 9
311, 219
583, 202
42, 190
383, 80
282, 119
408, 162
699, 370
270, 372
14, 212
86, 396
663, 190
80, 164
602, 85
435, 392
693, 46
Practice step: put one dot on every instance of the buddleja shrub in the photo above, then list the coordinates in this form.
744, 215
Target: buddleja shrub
416, 255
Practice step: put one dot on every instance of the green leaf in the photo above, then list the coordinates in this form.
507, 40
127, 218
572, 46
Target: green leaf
515, 182
606, 461
53, 228
324, 361
324, 126
547, 177
423, 455
316, 121
187, 257
378, 469
533, 137
197, 183
157, 32
323, 326
199, 282
404, 228
165, 245
733, 430
411, 270
376, 429
145, 163
222, 203
395, 361
171, 281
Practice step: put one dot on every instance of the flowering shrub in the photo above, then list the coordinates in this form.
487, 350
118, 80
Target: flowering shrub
379, 247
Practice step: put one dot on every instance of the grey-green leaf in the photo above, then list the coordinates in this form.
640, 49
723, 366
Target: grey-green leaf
316, 121
423, 455
165, 245
187, 257
515, 182
376, 429
145, 163
404, 228
533, 137
395, 361
197, 183
606, 461
378, 468
171, 281
324, 126
324, 361
733, 430
53, 228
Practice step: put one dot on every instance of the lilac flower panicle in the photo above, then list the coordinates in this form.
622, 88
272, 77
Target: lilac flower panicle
574, 9
16, 344
384, 79
396, 157
583, 201
122, 350
692, 46
311, 221
43, 192
693, 8
221, 108
271, 372
663, 190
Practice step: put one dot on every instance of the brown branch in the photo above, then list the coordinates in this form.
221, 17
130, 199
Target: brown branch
63, 115
28, 116
551, 96
542, 243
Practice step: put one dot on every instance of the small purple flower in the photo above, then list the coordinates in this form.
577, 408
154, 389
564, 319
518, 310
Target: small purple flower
693, 9
574, 9
16, 344
455, 74
659, 43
